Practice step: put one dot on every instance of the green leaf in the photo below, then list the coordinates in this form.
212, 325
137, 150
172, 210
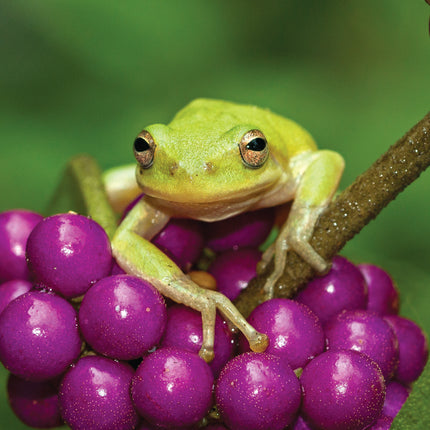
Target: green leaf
81, 190
415, 414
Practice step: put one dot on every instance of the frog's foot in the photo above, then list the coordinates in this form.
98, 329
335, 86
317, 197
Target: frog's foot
303, 248
258, 342
207, 354
182, 290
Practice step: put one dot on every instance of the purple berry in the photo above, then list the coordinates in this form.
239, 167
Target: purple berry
184, 330
300, 424
382, 423
249, 229
383, 294
145, 426
257, 391
233, 269
68, 253
130, 206
216, 427
344, 287
342, 390
122, 316
35, 403
395, 396
172, 388
294, 331
367, 332
116, 269
39, 336
15, 227
413, 348
95, 395
182, 241
10, 290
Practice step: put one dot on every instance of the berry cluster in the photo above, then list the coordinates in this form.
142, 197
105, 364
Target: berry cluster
88, 345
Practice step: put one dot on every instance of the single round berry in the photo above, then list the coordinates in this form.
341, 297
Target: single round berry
413, 348
382, 423
184, 330
122, 316
233, 269
182, 241
344, 287
249, 229
15, 227
95, 395
257, 391
396, 395
10, 290
68, 253
39, 336
367, 332
172, 388
35, 403
116, 269
383, 295
342, 390
295, 332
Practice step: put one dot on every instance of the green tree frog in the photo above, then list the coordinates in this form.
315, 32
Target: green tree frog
214, 160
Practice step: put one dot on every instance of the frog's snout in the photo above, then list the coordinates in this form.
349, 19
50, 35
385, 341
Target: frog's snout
207, 167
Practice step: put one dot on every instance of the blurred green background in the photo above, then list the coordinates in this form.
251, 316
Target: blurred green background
86, 76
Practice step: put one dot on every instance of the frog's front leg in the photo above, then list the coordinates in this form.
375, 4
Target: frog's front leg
139, 257
315, 190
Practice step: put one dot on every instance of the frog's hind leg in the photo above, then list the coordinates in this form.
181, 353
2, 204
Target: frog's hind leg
121, 186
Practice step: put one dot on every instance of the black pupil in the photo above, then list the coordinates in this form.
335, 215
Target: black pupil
257, 144
140, 144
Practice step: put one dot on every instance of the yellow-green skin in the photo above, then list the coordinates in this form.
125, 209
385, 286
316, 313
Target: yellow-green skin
198, 172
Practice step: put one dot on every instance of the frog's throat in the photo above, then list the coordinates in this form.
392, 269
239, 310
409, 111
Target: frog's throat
216, 210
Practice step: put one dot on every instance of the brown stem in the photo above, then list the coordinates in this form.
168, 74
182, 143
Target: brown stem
351, 211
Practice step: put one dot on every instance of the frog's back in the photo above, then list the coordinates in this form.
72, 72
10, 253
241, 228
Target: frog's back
283, 134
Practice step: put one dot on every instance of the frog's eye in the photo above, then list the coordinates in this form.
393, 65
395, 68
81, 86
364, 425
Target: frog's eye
144, 148
254, 149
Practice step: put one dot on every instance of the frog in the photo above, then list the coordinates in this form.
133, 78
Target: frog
214, 160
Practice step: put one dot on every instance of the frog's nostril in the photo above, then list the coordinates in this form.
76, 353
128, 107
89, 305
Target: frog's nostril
209, 167
173, 169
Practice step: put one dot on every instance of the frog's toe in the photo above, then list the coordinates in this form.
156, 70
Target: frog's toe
259, 343
265, 259
269, 286
207, 354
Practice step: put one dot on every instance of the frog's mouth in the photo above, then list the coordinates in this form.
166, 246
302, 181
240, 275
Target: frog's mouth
218, 206
203, 211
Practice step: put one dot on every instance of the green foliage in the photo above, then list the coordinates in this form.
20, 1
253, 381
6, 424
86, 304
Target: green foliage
415, 414
86, 76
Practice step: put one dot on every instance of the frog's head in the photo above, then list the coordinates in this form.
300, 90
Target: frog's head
211, 156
